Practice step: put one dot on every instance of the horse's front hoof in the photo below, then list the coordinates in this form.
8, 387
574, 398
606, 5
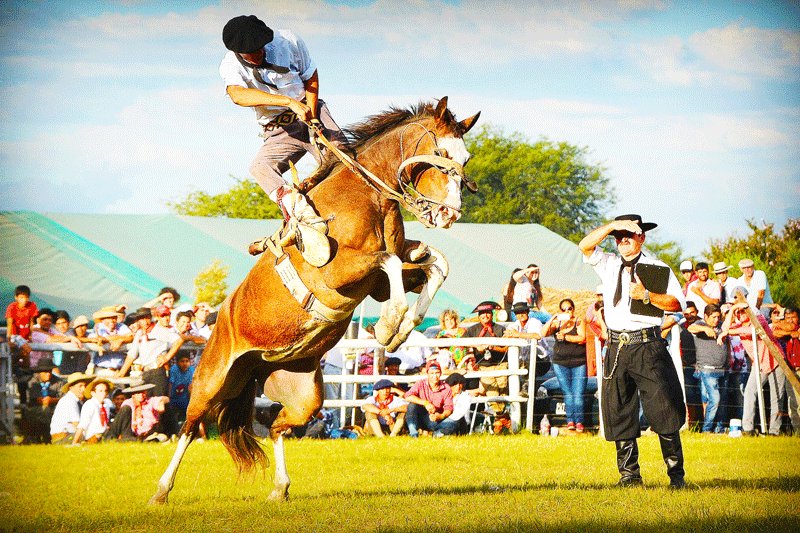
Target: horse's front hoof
279, 495
383, 333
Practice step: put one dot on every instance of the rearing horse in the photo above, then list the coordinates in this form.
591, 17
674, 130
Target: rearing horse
276, 326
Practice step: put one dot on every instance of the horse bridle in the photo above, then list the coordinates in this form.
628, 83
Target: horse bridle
412, 200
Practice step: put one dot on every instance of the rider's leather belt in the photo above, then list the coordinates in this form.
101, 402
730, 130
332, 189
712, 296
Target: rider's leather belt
639, 336
284, 119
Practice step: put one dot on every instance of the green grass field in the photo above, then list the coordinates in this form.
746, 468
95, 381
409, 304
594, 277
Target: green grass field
480, 483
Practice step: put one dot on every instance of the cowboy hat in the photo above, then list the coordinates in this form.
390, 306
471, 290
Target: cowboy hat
488, 305
87, 393
75, 377
138, 387
45, 364
109, 311
646, 226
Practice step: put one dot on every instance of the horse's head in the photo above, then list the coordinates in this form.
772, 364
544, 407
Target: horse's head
432, 171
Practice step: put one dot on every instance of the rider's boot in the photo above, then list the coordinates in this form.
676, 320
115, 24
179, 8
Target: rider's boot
303, 228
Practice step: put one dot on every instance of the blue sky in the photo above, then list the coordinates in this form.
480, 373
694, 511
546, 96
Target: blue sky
692, 107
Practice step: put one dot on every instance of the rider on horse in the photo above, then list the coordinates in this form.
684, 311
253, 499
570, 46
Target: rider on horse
273, 73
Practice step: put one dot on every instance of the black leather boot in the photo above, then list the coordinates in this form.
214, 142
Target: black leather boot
672, 451
628, 463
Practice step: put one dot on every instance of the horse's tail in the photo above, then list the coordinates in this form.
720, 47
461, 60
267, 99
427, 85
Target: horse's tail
235, 423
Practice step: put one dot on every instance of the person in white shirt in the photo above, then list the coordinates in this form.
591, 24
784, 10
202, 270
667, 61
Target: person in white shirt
67, 413
385, 412
703, 291
727, 283
637, 365
462, 402
524, 328
94, 419
755, 281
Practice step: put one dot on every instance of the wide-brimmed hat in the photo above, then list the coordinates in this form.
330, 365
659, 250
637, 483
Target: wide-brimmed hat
646, 226
137, 387
245, 34
744, 263
95, 382
488, 305
382, 384
75, 377
686, 266
45, 364
109, 311
80, 320
720, 266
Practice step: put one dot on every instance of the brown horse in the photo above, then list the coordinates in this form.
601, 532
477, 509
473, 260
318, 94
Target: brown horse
272, 332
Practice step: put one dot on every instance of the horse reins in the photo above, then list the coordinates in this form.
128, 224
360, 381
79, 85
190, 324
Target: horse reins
411, 199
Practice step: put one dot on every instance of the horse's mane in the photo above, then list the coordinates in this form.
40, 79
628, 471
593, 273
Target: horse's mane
360, 133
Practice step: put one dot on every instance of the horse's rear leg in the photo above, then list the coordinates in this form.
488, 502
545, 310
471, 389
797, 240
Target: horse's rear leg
205, 386
300, 393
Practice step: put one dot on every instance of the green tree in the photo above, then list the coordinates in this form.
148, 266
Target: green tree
546, 183
210, 285
244, 200
777, 253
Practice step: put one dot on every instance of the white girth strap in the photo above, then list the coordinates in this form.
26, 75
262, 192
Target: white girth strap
291, 280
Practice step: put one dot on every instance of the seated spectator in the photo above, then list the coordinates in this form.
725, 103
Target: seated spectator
152, 349
569, 360
140, 415
703, 291
112, 333
385, 413
462, 402
453, 356
737, 323
490, 357
117, 397
67, 413
180, 386
430, 404
524, 328
94, 419
712, 351
43, 394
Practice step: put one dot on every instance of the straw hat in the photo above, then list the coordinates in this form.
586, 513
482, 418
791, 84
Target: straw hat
109, 311
95, 382
75, 377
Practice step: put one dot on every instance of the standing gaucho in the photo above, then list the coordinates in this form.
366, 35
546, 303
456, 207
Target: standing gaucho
273, 73
637, 364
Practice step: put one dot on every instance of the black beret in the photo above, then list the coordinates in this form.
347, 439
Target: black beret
245, 34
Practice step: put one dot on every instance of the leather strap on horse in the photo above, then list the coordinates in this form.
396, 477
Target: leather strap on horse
291, 280
410, 199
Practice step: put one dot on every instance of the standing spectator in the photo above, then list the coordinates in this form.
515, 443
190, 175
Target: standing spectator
199, 326
528, 288
94, 419
430, 404
67, 413
448, 320
727, 283
152, 349
490, 357
687, 273
737, 323
385, 412
712, 351
180, 386
788, 334
507, 294
41, 333
76, 361
109, 331
569, 360
755, 281
167, 297
184, 327
638, 365
462, 402
140, 415
20, 315
43, 394
524, 328
703, 291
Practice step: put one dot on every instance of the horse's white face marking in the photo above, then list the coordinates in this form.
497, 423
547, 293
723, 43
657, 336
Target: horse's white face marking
456, 149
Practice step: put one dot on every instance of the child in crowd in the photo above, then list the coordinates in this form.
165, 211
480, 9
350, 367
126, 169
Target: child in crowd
180, 386
94, 419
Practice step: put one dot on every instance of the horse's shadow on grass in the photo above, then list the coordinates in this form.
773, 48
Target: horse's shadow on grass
790, 484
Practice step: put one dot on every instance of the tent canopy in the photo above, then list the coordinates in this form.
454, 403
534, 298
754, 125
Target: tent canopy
82, 262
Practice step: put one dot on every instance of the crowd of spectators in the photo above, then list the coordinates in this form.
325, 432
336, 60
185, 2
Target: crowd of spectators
135, 382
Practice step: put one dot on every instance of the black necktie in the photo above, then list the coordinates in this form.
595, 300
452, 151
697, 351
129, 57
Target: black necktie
625, 263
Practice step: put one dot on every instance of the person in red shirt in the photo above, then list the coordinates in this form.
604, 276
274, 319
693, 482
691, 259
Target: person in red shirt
430, 403
19, 320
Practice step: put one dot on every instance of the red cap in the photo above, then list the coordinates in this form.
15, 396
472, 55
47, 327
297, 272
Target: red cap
432, 364
161, 310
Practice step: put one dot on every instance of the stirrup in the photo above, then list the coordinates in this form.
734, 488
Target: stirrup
257, 247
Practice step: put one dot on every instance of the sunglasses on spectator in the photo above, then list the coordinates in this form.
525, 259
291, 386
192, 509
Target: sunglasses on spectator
565, 309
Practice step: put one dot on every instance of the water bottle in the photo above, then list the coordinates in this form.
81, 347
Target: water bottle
544, 427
